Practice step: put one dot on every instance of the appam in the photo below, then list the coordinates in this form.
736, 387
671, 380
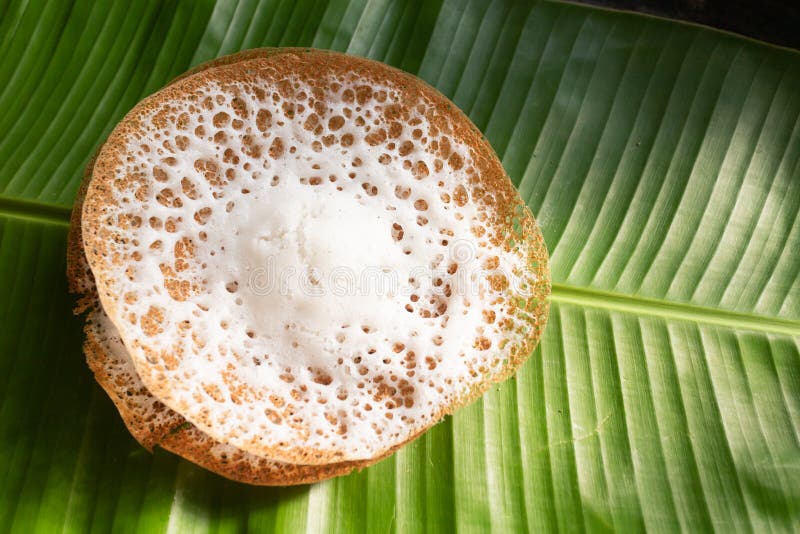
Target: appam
213, 190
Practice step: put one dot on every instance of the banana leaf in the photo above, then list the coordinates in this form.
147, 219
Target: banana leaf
662, 161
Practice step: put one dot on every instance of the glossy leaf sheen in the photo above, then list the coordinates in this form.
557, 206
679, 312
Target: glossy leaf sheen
663, 164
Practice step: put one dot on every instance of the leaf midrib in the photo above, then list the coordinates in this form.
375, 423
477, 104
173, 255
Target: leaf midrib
638, 305
57, 214
35, 211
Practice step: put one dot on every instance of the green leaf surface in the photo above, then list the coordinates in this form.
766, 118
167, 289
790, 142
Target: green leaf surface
663, 163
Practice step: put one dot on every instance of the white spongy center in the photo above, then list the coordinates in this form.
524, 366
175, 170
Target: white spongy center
311, 258
302, 270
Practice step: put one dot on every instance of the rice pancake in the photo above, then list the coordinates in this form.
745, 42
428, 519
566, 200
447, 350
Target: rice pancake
312, 257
